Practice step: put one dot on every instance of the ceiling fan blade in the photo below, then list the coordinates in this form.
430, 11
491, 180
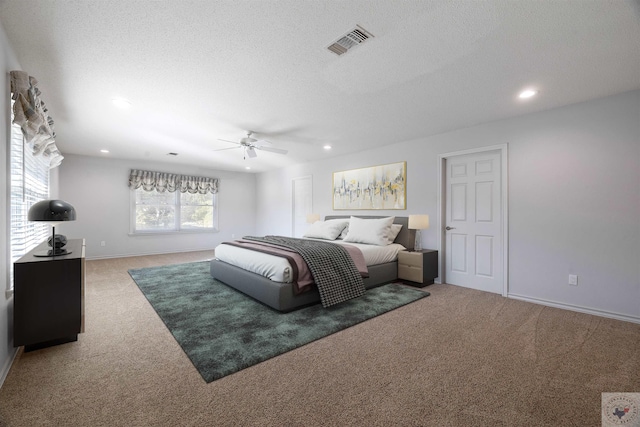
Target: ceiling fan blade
273, 150
260, 142
226, 140
230, 148
251, 152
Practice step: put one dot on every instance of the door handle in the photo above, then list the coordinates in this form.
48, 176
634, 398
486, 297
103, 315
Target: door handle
449, 228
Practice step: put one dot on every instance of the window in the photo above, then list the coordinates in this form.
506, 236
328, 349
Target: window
166, 202
196, 211
29, 181
156, 211
28, 172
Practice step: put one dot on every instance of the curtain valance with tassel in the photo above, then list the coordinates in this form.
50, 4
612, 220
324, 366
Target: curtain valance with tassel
30, 113
162, 181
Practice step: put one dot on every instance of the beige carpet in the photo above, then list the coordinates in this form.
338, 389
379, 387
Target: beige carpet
458, 358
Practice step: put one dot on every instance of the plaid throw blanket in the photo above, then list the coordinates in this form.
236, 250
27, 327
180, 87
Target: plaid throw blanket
333, 270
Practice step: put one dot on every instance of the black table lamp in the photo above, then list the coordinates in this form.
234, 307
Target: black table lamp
53, 211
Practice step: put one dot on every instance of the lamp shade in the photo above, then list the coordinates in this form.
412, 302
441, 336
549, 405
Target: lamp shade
311, 218
52, 211
418, 222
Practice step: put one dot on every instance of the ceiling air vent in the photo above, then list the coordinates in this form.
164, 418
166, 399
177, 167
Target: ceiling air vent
352, 39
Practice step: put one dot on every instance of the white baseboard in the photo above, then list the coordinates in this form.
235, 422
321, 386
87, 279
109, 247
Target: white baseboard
579, 309
7, 367
146, 254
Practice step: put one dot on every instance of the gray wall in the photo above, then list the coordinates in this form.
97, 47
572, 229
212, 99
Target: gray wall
8, 62
574, 199
97, 188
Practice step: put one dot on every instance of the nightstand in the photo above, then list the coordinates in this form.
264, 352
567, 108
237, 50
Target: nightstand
418, 268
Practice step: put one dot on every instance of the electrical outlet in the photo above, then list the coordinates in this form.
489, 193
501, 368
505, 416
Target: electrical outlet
573, 279
103, 243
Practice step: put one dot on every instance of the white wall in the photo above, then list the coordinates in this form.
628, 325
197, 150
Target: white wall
8, 62
98, 189
574, 199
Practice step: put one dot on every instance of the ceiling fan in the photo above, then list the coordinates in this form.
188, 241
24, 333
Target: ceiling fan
250, 144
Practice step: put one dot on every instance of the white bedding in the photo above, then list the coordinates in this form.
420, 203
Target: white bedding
278, 269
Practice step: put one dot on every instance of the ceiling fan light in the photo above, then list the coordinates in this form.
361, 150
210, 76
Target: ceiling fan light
251, 152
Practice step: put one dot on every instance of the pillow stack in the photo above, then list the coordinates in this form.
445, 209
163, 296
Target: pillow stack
372, 231
327, 230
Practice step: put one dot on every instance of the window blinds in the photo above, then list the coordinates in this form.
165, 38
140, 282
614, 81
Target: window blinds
29, 184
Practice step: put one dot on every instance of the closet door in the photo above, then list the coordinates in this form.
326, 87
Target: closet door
473, 223
302, 204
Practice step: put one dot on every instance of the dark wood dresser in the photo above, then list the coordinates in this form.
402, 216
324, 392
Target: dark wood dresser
48, 297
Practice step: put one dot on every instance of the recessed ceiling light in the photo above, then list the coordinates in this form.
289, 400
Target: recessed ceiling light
121, 103
327, 147
247, 167
104, 151
528, 93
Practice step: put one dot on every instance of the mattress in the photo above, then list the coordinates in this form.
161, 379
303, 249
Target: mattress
278, 268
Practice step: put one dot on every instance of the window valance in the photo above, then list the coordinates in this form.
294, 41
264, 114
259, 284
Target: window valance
171, 182
30, 113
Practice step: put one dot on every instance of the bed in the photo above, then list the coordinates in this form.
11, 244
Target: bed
282, 296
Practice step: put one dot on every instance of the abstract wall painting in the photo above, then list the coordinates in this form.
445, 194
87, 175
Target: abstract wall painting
375, 187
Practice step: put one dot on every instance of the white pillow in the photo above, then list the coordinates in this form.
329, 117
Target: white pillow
327, 230
395, 230
344, 233
393, 233
370, 231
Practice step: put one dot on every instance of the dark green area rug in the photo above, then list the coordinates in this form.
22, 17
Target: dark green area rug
223, 331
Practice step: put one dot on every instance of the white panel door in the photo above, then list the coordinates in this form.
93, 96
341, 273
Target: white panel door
302, 198
473, 223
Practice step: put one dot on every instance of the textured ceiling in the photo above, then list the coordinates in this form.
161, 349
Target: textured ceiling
197, 71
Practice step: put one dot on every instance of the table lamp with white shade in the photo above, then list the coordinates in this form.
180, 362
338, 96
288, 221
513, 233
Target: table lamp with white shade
418, 222
311, 218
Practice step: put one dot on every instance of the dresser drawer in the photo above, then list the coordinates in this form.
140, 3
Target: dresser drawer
411, 273
412, 259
